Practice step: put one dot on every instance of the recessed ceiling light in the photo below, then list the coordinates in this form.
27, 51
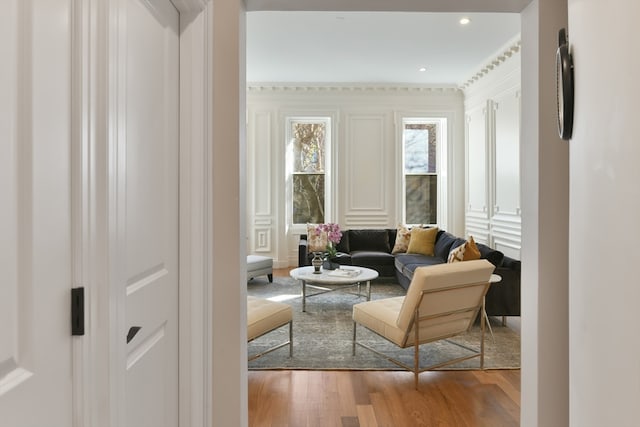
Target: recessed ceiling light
422, 69
464, 21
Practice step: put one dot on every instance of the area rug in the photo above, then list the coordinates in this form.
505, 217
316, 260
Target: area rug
322, 336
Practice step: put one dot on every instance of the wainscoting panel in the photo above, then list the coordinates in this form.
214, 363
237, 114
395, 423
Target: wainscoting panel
492, 102
507, 153
506, 232
477, 161
364, 165
477, 225
260, 162
261, 239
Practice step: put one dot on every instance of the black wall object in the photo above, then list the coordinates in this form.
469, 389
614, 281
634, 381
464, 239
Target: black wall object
564, 86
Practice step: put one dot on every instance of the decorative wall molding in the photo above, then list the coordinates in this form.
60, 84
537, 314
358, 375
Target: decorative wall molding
364, 151
492, 156
510, 50
260, 160
364, 163
262, 239
275, 88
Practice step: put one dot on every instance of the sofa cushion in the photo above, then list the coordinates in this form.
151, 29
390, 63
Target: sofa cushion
365, 258
369, 240
494, 256
407, 263
382, 262
343, 244
444, 244
403, 235
422, 241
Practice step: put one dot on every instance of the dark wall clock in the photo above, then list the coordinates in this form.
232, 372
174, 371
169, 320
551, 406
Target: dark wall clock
564, 86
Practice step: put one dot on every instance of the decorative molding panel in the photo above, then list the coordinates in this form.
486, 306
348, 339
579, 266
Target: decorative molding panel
506, 149
262, 239
476, 160
353, 221
260, 151
365, 164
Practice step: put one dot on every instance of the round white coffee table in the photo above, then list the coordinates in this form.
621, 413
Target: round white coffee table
343, 277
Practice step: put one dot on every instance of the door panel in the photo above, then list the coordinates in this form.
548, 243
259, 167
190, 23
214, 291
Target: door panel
35, 254
150, 209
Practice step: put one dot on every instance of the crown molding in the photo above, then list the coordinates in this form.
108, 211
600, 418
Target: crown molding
511, 49
356, 88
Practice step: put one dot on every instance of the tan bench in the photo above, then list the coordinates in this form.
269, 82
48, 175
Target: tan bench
264, 316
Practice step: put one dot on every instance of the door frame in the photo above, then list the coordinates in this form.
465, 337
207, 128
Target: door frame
97, 356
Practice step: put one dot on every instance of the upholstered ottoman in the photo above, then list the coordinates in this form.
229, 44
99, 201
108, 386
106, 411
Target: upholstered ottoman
258, 265
264, 316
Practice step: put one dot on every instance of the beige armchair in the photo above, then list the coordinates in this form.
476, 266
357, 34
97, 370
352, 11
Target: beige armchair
442, 301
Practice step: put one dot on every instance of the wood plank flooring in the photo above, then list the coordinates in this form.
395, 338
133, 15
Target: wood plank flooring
384, 398
283, 398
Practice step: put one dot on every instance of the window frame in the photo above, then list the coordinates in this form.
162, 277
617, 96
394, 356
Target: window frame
442, 143
327, 120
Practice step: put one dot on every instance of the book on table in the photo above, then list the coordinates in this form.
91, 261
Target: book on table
344, 272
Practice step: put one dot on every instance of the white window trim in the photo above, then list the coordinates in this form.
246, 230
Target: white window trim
328, 167
442, 165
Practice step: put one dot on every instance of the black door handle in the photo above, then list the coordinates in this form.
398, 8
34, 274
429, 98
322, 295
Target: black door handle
132, 333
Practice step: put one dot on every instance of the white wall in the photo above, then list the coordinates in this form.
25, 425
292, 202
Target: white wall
604, 254
492, 141
367, 182
545, 223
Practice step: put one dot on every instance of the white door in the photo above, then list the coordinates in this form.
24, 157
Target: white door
35, 236
146, 239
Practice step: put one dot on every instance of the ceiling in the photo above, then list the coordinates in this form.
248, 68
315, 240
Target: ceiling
373, 47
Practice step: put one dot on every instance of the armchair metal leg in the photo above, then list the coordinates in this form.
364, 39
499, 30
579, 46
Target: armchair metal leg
353, 349
291, 339
416, 352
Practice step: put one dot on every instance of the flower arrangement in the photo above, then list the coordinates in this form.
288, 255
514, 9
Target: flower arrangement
333, 237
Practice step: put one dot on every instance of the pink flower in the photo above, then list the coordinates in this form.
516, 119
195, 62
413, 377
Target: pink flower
333, 231
333, 236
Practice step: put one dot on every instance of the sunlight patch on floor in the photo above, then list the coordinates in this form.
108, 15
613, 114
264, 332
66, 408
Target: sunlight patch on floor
286, 297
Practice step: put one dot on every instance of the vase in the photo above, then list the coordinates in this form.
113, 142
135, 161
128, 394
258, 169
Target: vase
330, 265
317, 262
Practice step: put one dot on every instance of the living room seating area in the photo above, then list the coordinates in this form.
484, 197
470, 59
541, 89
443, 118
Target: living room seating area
391, 253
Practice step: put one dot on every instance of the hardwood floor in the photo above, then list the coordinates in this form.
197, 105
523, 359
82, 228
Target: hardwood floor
383, 398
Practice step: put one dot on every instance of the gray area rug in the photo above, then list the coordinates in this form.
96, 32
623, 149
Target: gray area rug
322, 335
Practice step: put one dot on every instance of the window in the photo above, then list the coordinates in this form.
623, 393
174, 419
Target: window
421, 167
308, 146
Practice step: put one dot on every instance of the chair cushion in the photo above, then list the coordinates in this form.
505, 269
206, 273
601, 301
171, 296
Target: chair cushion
264, 316
380, 316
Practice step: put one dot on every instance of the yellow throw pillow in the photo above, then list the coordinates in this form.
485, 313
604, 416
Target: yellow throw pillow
471, 251
422, 241
403, 235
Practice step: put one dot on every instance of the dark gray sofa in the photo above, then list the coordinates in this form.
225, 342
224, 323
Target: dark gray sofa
372, 248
